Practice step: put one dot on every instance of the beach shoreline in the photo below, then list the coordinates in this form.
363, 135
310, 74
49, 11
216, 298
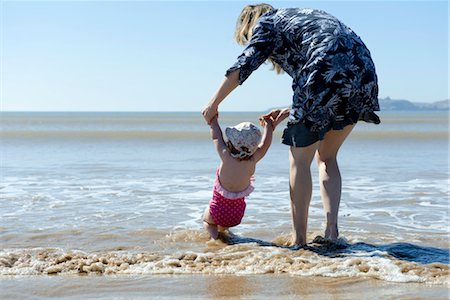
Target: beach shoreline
212, 287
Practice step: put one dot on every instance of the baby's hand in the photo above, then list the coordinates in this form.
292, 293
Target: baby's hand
266, 121
262, 121
214, 121
269, 123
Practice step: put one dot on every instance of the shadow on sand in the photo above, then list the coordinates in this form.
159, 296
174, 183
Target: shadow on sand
321, 246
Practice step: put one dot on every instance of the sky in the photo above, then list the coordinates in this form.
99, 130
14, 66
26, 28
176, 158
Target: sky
172, 55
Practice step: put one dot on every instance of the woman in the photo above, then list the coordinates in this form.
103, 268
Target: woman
334, 85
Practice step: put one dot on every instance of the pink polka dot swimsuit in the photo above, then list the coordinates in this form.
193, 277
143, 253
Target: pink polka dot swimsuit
227, 208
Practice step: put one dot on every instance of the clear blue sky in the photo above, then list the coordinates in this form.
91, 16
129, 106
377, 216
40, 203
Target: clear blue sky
171, 56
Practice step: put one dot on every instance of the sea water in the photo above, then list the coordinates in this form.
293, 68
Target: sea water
123, 193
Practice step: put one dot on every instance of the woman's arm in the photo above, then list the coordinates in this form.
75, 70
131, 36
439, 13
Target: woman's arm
260, 47
228, 85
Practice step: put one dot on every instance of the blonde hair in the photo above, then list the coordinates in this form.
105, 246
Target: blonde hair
246, 22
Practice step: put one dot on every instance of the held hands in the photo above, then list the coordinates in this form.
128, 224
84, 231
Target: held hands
276, 116
214, 120
266, 122
209, 113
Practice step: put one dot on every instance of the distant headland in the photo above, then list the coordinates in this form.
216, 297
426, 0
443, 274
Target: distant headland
388, 104
401, 104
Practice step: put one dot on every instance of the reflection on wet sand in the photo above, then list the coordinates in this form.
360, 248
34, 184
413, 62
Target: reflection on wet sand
235, 287
213, 287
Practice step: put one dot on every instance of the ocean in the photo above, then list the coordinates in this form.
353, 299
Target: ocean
109, 205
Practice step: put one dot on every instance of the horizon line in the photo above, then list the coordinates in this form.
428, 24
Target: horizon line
125, 111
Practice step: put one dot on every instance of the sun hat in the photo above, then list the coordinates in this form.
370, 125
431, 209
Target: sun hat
245, 137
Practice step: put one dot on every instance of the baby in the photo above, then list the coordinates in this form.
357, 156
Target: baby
234, 178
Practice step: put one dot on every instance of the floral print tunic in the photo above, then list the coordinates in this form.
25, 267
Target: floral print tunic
334, 79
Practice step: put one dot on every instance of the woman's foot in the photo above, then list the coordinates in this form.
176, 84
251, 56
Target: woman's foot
297, 242
332, 245
332, 233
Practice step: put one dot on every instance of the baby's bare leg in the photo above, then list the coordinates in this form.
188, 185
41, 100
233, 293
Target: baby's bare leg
208, 224
221, 229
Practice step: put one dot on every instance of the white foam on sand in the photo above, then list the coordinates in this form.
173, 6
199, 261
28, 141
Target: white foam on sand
218, 258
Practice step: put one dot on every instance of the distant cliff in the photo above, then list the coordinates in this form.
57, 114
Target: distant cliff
397, 104
392, 104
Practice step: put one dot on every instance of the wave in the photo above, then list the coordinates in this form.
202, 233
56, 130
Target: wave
94, 134
133, 134
242, 256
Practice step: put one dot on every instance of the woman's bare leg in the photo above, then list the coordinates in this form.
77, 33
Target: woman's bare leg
330, 177
300, 186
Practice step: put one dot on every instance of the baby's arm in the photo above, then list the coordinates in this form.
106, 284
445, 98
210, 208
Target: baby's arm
266, 139
217, 137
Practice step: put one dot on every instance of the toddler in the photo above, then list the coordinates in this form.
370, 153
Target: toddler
234, 178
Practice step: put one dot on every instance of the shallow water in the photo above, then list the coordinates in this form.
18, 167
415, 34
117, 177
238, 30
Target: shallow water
123, 193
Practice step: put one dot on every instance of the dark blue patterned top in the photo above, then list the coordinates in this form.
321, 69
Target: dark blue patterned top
334, 79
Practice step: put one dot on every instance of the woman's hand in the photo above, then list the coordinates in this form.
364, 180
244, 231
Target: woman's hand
209, 112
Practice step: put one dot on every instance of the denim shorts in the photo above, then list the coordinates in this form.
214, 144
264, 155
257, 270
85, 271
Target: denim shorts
298, 135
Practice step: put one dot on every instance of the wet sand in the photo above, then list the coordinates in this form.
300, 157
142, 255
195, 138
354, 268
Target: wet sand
212, 287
